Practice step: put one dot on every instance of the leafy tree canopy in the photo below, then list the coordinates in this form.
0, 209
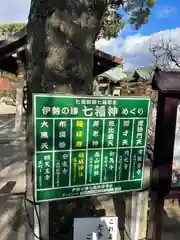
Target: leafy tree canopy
9, 29
118, 14
122, 12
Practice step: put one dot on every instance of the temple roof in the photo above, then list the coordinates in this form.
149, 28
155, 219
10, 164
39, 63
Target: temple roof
17, 44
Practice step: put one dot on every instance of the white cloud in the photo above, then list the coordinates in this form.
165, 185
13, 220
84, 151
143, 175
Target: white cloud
108, 46
135, 49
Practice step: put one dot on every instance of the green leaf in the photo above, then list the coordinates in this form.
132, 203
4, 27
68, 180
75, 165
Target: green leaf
132, 20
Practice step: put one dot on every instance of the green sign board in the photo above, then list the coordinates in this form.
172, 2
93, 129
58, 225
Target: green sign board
88, 145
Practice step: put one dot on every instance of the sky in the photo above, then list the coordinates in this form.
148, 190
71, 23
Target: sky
133, 46
14, 11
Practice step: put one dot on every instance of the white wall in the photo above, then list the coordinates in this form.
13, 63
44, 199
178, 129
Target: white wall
5, 109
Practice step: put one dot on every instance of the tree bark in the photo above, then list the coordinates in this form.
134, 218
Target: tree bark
61, 37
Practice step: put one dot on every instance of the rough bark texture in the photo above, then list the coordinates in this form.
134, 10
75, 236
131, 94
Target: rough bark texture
61, 38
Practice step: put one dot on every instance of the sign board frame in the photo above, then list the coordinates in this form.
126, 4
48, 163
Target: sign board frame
134, 104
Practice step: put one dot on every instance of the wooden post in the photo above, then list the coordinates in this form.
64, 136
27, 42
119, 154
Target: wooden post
168, 85
163, 156
143, 204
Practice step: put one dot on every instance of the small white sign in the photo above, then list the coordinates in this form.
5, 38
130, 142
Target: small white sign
97, 228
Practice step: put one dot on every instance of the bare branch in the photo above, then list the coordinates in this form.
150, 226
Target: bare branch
166, 53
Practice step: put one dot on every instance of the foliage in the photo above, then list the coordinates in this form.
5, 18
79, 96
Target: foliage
12, 78
9, 29
139, 17
111, 25
9, 97
137, 13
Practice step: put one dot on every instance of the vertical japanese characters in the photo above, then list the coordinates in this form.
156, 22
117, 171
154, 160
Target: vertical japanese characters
87, 146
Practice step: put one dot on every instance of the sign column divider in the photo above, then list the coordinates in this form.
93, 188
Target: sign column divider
117, 148
70, 158
87, 140
102, 149
130, 164
53, 153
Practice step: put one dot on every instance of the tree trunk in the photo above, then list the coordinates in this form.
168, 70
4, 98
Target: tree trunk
61, 37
